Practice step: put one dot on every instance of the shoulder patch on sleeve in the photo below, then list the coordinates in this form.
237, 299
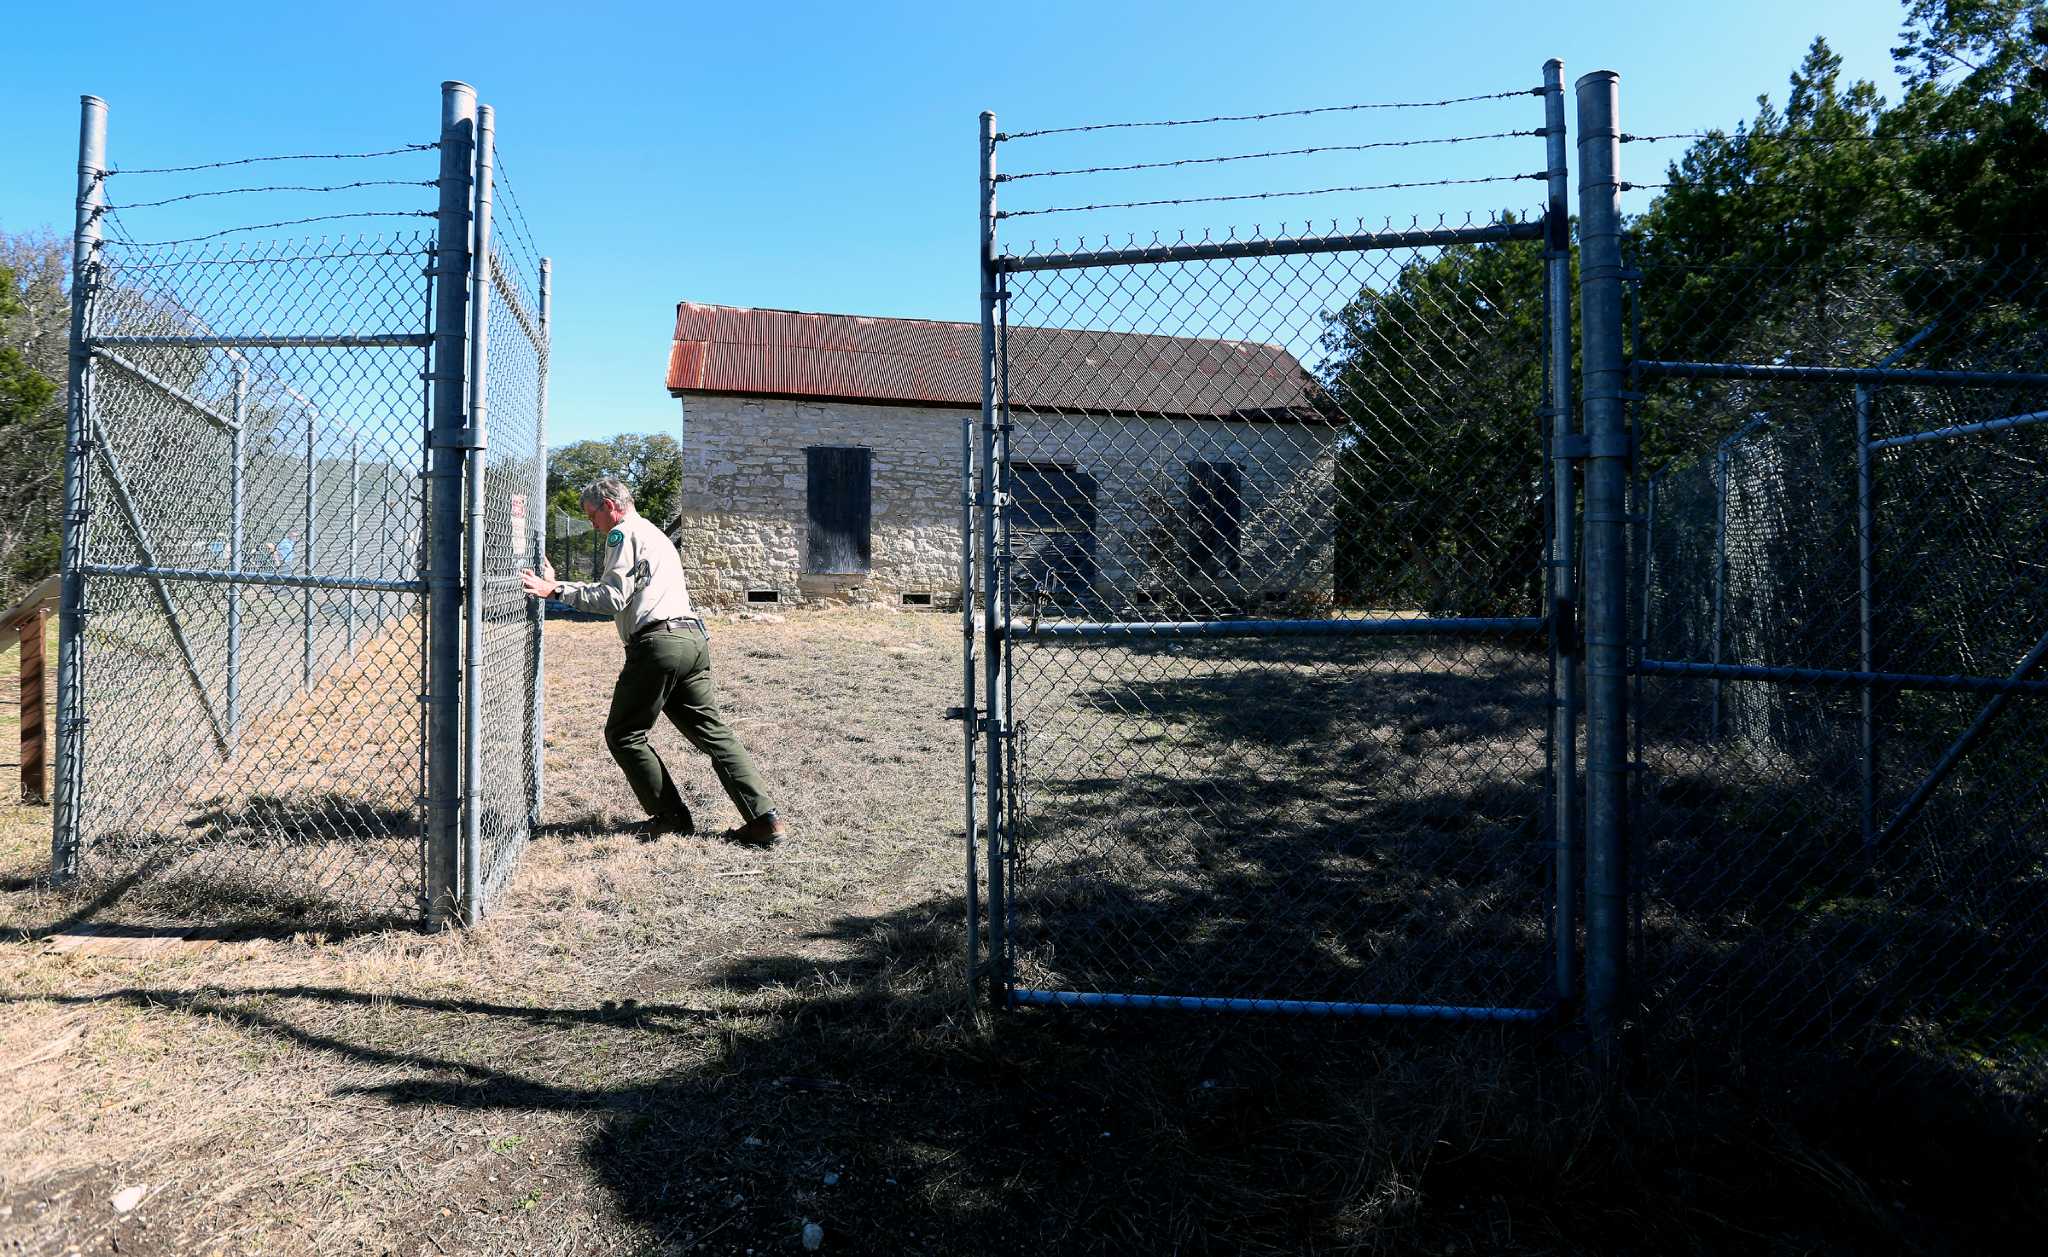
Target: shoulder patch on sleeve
618, 535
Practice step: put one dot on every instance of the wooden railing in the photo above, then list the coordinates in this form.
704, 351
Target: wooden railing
26, 621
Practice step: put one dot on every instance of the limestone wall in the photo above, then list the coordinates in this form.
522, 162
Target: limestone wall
745, 474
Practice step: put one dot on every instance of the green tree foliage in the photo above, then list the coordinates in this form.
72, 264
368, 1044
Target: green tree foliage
1439, 376
1830, 230
34, 329
650, 464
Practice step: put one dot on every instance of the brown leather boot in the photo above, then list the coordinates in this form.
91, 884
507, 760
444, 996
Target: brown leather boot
763, 831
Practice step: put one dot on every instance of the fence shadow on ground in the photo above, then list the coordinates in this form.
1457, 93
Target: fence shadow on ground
261, 865
947, 1131
1335, 819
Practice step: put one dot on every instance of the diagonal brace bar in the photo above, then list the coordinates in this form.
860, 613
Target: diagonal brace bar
176, 394
1963, 745
156, 583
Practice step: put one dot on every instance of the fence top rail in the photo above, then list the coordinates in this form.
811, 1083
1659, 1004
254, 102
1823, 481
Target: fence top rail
224, 576
1386, 627
373, 340
1951, 683
1208, 250
1654, 368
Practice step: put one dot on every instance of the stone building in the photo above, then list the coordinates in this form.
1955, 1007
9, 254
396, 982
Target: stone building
822, 460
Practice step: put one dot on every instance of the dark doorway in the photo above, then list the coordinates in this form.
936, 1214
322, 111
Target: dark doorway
1052, 530
839, 504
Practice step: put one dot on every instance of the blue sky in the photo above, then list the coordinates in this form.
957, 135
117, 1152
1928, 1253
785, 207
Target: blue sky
822, 157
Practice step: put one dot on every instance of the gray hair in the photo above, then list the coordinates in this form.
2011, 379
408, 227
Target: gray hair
610, 489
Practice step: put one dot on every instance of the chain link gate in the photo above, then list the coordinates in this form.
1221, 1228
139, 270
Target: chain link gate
1833, 842
1261, 575
263, 584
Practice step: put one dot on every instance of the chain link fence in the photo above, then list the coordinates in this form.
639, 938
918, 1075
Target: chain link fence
1271, 532
1839, 726
244, 681
1268, 685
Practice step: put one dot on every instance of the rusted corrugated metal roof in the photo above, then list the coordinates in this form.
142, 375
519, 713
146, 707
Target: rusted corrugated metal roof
786, 353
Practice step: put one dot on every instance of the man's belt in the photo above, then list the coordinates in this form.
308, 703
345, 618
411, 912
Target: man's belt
673, 625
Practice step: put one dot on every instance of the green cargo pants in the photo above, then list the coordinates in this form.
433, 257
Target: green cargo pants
671, 672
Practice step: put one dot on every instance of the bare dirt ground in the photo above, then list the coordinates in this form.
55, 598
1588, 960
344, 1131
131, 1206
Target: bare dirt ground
685, 1046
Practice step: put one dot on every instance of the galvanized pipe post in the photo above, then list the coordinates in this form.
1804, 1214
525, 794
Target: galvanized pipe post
994, 609
447, 439
306, 546
970, 718
1606, 581
355, 510
1723, 463
537, 608
237, 510
1563, 578
85, 277
473, 524
1866, 573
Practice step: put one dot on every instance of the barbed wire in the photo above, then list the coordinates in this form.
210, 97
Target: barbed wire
336, 187
519, 233
1747, 136
1002, 136
1267, 196
410, 246
1285, 152
1416, 222
289, 222
250, 161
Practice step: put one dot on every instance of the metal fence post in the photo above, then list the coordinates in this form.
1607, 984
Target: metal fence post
536, 607
1563, 579
238, 452
473, 525
85, 270
969, 710
1723, 462
993, 608
355, 507
306, 546
1866, 574
1600, 306
447, 439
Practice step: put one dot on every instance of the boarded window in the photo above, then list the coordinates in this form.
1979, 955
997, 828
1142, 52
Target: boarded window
839, 504
1052, 529
1215, 517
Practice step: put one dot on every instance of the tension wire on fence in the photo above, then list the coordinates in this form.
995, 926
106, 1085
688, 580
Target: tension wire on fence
289, 222
337, 187
1266, 196
1285, 152
250, 161
1260, 117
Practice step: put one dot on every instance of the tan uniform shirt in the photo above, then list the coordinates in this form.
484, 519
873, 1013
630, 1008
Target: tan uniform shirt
642, 581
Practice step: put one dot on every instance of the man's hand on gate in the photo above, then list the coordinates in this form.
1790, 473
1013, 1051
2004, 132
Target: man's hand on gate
542, 586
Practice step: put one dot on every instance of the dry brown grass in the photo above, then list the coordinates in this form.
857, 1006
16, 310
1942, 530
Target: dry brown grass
689, 1047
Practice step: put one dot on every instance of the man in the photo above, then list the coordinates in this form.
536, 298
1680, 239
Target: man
667, 669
